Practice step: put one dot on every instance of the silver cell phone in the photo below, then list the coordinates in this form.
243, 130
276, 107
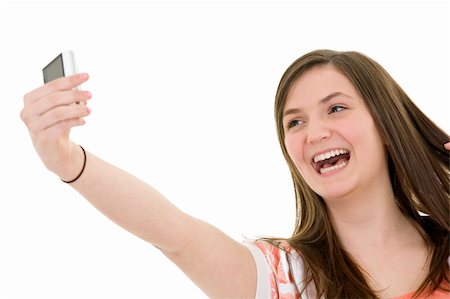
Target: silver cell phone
63, 65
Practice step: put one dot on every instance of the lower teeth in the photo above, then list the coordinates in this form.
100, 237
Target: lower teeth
337, 166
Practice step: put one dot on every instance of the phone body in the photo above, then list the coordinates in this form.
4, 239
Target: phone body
63, 65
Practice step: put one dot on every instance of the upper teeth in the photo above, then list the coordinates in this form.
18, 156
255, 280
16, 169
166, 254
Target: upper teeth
329, 154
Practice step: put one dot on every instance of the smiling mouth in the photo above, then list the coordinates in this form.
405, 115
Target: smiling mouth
331, 160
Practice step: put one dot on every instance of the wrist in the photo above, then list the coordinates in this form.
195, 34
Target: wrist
73, 167
81, 171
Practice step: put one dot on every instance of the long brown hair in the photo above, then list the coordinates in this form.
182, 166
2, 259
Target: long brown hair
418, 169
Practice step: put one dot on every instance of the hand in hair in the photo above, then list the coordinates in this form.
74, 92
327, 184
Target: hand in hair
447, 146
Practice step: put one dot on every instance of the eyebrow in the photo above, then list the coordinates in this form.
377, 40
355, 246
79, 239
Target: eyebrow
322, 101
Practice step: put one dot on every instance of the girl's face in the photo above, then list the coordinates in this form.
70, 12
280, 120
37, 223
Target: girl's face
330, 135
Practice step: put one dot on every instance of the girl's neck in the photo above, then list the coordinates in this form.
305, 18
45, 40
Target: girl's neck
375, 233
370, 220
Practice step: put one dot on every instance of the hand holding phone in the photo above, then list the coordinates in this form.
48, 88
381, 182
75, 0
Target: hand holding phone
63, 65
49, 115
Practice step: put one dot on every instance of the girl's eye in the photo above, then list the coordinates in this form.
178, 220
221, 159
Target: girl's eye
337, 108
294, 123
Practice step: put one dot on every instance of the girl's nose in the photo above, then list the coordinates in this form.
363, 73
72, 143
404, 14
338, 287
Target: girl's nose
317, 132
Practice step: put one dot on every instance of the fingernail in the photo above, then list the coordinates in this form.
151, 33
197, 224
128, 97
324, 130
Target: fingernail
84, 76
88, 109
88, 94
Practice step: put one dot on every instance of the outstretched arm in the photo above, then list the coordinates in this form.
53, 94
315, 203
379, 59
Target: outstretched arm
220, 266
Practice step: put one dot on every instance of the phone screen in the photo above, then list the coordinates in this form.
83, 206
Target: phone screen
54, 69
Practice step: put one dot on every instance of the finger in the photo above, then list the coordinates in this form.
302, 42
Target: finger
59, 114
60, 98
63, 83
447, 146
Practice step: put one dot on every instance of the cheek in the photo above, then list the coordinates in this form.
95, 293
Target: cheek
294, 147
366, 137
358, 128
367, 131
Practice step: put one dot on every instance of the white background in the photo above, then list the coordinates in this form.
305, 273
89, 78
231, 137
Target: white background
182, 98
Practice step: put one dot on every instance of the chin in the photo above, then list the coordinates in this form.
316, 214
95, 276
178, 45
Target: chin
333, 197
333, 193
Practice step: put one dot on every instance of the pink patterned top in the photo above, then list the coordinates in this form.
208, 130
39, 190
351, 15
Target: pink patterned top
281, 274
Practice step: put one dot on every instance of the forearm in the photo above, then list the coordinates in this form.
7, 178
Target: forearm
219, 265
128, 201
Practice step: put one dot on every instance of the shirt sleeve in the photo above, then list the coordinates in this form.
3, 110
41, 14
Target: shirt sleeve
280, 271
262, 271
